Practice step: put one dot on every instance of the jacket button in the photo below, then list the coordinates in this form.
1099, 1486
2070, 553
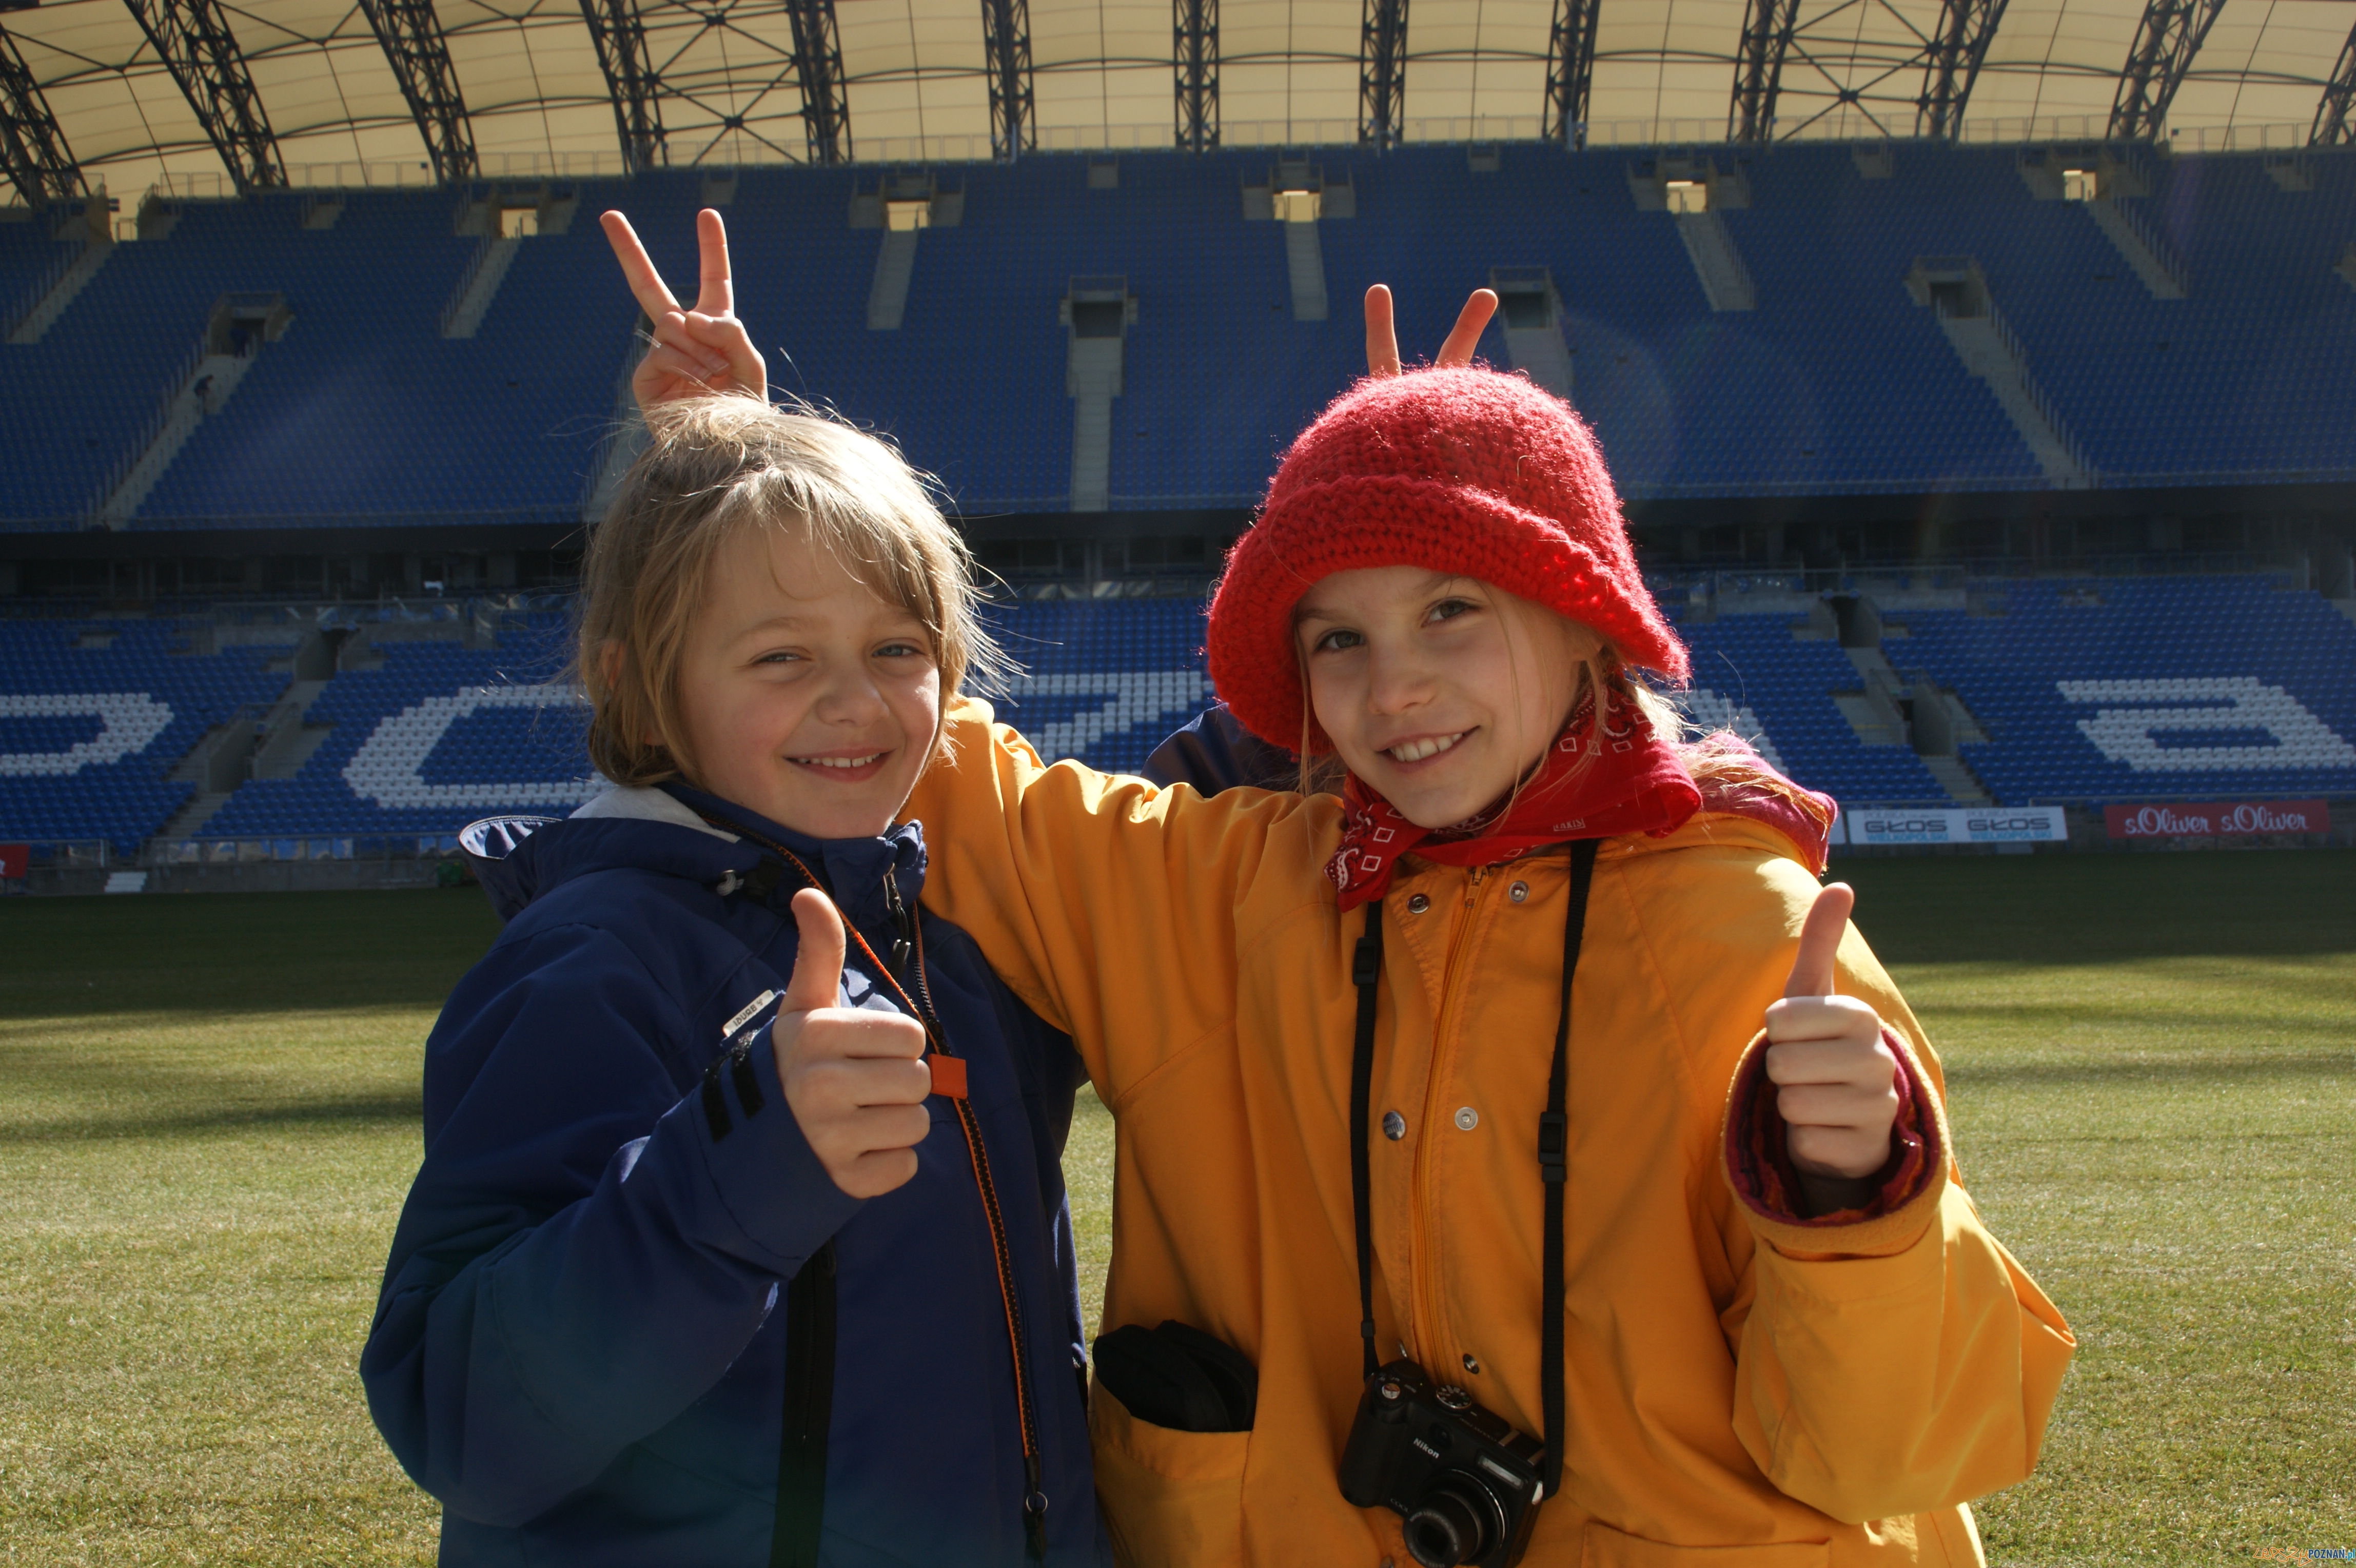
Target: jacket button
1394, 1125
1418, 904
1471, 1365
1467, 1119
1518, 891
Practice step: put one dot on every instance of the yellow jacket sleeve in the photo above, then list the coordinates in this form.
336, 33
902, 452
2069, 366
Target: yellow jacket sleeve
1902, 1363
1106, 904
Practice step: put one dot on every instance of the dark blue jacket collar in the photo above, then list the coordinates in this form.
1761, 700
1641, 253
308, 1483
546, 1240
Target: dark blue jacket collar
853, 869
519, 859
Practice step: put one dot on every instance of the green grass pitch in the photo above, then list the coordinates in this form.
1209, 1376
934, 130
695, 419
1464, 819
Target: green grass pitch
209, 1116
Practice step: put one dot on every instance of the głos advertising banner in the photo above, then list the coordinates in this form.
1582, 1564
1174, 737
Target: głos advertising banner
2223, 819
1976, 824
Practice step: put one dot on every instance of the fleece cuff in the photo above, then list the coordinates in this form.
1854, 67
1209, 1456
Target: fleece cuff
1758, 1167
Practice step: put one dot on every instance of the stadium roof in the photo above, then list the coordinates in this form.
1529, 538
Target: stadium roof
308, 92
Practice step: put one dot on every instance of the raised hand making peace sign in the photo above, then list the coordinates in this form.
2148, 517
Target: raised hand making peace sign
701, 350
1382, 339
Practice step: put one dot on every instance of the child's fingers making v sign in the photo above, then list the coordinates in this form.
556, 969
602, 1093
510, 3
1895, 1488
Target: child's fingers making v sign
1835, 1076
700, 350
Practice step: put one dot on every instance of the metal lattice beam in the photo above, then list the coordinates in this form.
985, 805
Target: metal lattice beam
1570, 71
1195, 25
2338, 102
818, 66
1382, 73
193, 40
420, 55
1966, 29
2170, 35
1006, 46
620, 36
1759, 69
33, 151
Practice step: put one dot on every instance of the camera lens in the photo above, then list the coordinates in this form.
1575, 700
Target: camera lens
1457, 1521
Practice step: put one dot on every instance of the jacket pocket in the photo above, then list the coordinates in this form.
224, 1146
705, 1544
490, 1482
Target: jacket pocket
1604, 1547
1171, 1499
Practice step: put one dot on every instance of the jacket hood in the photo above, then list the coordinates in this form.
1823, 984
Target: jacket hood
663, 831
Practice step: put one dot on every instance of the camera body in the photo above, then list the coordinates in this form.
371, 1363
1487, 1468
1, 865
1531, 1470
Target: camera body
1467, 1484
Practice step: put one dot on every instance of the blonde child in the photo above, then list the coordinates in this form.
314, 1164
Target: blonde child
731, 1246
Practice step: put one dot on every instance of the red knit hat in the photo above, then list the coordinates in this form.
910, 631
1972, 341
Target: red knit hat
1465, 471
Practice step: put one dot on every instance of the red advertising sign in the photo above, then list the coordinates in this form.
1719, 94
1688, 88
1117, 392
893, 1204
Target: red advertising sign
2217, 818
12, 861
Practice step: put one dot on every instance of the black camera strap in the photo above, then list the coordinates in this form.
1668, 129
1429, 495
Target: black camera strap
1554, 1140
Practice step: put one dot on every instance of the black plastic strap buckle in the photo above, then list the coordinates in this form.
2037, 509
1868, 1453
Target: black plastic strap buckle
1366, 965
1553, 1135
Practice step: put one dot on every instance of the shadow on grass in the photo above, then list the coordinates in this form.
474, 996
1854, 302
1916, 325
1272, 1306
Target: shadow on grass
237, 952
405, 1108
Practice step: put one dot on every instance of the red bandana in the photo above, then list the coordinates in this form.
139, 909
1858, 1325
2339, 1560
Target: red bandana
1634, 782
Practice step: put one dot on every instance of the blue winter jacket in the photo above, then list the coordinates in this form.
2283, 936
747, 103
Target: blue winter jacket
579, 1347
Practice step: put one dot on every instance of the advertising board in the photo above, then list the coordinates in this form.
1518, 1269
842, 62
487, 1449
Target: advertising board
1974, 824
13, 857
2217, 818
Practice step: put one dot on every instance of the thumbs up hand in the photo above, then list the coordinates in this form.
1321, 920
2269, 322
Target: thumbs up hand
855, 1079
1836, 1079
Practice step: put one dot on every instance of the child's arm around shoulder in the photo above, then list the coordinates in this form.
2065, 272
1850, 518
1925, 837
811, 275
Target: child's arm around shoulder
1114, 909
580, 1187
1891, 1357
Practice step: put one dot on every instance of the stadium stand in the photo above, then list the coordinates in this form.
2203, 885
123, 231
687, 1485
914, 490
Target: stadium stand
2205, 688
93, 716
1835, 383
2088, 691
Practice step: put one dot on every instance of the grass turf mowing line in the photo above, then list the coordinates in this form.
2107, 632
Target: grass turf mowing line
209, 1117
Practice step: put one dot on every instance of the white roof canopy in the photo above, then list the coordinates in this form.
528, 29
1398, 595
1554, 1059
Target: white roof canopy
916, 82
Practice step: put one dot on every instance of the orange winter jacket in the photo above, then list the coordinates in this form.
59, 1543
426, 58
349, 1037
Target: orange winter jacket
1742, 1393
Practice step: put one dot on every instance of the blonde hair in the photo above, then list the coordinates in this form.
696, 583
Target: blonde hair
716, 466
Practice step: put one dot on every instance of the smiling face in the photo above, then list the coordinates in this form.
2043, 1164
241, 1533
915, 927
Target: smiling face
1438, 692
801, 694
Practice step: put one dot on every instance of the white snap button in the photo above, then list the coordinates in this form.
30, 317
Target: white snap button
1467, 1119
1418, 904
1518, 891
1471, 1365
1394, 1125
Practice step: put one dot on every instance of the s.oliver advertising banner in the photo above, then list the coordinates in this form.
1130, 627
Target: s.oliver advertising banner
2217, 818
1976, 824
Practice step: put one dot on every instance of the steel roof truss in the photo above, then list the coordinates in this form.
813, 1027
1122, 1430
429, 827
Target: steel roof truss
1382, 73
2170, 35
1961, 43
2338, 101
1006, 46
1759, 69
1194, 27
33, 150
1570, 71
419, 54
818, 66
193, 40
619, 34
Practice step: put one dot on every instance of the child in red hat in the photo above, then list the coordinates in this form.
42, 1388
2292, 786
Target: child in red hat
1533, 1085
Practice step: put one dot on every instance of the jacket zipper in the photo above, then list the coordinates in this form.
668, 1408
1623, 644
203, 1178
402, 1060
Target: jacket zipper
1425, 1290
1034, 1500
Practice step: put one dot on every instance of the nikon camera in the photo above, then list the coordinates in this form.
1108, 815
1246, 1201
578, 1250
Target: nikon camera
1465, 1482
